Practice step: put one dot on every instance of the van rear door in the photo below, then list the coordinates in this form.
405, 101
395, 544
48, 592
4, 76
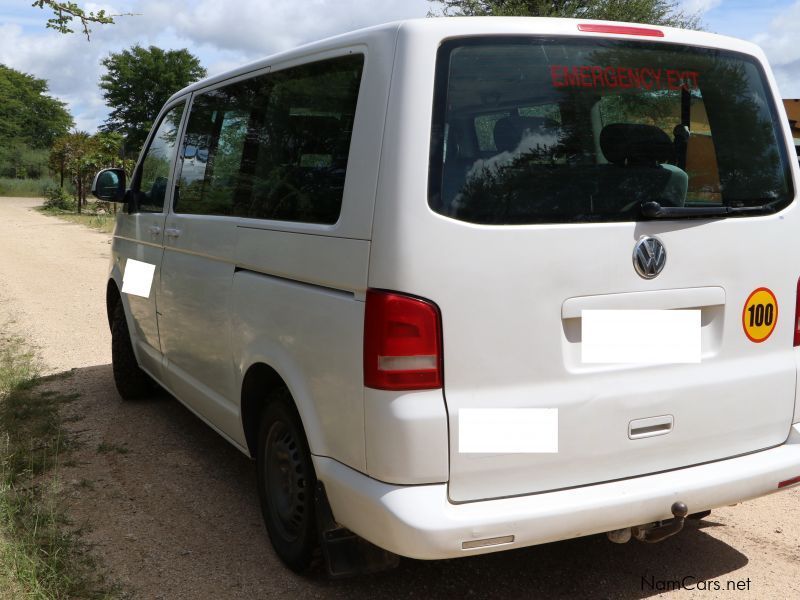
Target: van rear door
544, 152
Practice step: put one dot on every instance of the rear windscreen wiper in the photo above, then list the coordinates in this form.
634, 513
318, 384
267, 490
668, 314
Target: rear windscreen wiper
653, 210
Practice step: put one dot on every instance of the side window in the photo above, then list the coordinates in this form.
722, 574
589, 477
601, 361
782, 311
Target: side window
153, 176
273, 147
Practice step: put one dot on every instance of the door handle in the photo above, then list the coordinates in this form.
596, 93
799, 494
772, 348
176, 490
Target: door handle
154, 230
172, 232
654, 300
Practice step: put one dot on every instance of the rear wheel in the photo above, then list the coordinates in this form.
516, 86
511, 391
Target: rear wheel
132, 383
286, 481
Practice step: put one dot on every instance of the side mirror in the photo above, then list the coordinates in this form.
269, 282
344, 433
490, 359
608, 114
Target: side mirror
109, 185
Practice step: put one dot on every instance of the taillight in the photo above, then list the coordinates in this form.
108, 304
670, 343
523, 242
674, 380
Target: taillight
797, 316
789, 482
620, 29
402, 342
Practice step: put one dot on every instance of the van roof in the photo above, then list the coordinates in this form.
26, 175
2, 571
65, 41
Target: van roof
444, 27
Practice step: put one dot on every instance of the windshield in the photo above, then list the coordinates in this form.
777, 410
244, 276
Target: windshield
531, 130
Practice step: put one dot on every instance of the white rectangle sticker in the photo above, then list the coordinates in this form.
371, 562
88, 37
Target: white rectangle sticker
507, 430
138, 278
640, 336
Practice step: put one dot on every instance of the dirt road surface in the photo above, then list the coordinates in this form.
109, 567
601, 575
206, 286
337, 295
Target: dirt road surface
171, 510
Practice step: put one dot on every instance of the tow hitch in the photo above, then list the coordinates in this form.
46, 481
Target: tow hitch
652, 532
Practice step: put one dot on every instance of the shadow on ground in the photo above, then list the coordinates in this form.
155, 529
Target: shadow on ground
174, 511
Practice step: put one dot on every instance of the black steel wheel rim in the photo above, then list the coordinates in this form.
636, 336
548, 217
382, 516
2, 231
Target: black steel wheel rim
286, 481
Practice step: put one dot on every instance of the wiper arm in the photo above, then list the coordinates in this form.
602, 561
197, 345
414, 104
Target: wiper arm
653, 210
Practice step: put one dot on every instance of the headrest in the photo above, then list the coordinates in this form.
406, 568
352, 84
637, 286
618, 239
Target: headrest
508, 131
623, 143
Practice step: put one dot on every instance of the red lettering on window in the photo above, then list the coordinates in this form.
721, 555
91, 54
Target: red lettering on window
597, 77
586, 77
673, 79
555, 72
573, 77
657, 77
646, 78
624, 81
610, 77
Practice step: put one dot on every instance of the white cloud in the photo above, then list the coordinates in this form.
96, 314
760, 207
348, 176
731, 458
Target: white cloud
780, 44
225, 34
70, 71
259, 28
222, 34
700, 6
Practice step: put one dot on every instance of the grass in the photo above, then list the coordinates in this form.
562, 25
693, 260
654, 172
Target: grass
89, 218
23, 188
41, 555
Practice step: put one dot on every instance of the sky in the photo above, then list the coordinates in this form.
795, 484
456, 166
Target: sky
227, 33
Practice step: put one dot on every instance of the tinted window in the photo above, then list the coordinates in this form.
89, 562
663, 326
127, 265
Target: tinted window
273, 147
528, 130
154, 174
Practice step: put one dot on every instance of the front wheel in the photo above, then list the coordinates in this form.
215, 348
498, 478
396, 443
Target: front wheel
132, 383
286, 482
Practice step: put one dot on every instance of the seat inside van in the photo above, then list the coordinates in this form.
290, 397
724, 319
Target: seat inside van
638, 167
631, 163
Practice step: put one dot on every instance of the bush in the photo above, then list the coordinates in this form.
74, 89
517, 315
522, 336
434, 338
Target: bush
23, 188
57, 197
20, 161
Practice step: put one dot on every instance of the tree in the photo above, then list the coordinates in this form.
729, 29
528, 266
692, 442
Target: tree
79, 156
138, 82
30, 120
72, 154
65, 12
654, 12
57, 161
27, 113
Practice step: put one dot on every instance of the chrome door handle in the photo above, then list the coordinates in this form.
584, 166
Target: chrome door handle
154, 230
172, 232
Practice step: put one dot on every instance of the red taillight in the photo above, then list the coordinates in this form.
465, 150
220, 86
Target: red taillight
788, 482
620, 29
797, 316
402, 343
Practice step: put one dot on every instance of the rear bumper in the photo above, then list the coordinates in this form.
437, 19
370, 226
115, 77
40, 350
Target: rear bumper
419, 521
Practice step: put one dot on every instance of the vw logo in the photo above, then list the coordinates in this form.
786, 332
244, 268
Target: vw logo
649, 257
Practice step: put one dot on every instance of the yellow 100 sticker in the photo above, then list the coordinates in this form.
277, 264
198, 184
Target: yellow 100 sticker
760, 315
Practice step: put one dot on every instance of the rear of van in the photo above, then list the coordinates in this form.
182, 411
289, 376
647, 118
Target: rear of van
537, 174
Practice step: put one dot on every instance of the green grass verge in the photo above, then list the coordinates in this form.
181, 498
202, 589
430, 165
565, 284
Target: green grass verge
24, 188
100, 221
41, 554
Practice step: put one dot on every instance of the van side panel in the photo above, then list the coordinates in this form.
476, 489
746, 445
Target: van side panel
312, 337
194, 316
298, 290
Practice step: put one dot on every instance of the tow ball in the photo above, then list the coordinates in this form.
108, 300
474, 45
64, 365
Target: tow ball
652, 532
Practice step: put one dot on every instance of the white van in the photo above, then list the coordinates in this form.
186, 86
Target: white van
466, 285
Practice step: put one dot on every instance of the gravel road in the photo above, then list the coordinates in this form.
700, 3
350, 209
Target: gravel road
171, 509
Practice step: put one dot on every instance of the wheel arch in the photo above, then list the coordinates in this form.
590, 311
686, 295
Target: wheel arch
261, 385
113, 297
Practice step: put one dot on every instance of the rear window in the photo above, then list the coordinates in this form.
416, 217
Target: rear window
531, 130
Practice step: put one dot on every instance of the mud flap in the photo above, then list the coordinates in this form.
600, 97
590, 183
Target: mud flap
345, 553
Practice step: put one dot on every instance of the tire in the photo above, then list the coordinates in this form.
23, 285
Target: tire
132, 383
286, 482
